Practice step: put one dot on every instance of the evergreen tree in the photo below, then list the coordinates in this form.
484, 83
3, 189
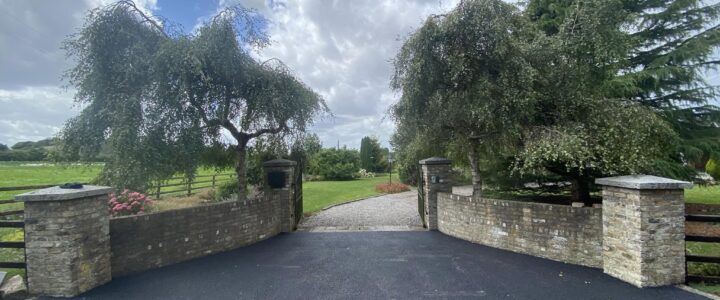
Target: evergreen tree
672, 43
366, 161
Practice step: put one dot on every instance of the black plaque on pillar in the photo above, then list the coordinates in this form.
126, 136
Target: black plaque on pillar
276, 179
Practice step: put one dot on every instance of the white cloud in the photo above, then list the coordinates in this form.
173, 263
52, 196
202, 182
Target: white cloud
34, 113
32, 104
343, 50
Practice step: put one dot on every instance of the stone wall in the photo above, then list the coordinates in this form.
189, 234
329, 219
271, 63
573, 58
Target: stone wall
66, 239
644, 235
153, 240
557, 232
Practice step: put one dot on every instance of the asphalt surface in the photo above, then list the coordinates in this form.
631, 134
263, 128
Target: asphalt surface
373, 265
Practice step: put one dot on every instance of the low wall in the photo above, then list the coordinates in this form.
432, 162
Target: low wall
562, 233
153, 240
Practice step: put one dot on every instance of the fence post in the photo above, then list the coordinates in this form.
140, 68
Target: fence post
67, 240
213, 181
189, 187
644, 229
279, 176
436, 176
157, 192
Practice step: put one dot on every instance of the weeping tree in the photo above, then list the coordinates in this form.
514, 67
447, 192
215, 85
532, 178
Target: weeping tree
158, 97
464, 79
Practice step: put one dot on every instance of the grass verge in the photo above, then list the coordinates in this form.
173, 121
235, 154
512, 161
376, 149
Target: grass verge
703, 194
320, 194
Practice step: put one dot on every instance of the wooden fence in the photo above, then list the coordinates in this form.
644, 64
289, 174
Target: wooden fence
702, 223
187, 187
12, 214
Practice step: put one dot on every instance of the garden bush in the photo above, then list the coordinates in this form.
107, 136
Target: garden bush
713, 169
391, 187
128, 203
336, 164
365, 174
227, 190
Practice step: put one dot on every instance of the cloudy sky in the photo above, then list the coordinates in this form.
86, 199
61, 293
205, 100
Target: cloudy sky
342, 49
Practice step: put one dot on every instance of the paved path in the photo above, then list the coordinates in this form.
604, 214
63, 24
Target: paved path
383, 213
373, 265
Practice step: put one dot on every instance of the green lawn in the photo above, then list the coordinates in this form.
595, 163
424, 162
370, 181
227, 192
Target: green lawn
320, 194
703, 194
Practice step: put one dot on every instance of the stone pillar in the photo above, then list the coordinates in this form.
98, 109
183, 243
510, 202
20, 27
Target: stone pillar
644, 229
436, 178
279, 187
67, 240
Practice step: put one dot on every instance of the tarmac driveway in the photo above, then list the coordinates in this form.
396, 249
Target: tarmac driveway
373, 265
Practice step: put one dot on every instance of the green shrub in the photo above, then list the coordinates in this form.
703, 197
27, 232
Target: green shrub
713, 169
704, 269
336, 164
227, 190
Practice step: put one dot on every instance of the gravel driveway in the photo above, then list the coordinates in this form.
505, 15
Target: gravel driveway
394, 212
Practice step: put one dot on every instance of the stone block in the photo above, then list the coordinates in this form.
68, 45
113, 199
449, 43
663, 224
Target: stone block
644, 229
67, 240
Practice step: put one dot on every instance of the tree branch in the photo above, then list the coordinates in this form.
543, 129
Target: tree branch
154, 24
268, 130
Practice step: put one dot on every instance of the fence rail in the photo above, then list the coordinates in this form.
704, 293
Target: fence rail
188, 186
709, 219
15, 222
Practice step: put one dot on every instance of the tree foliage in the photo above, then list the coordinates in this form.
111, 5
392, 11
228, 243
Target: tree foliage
336, 164
671, 45
713, 168
372, 156
159, 98
463, 78
545, 94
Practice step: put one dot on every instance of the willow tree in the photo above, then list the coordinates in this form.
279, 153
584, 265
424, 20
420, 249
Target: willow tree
463, 78
159, 97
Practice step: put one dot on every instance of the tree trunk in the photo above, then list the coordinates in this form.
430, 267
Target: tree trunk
581, 191
241, 169
475, 170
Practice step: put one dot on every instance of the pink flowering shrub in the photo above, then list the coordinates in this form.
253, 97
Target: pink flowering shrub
128, 203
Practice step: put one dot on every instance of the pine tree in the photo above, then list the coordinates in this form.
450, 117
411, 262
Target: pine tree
672, 45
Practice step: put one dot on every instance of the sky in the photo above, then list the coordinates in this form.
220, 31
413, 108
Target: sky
342, 49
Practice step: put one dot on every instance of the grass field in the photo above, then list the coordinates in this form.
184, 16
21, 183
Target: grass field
320, 194
703, 194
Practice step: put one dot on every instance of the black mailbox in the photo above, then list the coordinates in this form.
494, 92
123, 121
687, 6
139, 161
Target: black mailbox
276, 179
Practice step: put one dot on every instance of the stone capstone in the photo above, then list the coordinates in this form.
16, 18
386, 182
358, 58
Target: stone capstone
643, 182
57, 194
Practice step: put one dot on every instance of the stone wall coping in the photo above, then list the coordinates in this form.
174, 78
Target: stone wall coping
55, 193
435, 161
279, 163
644, 182
518, 202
